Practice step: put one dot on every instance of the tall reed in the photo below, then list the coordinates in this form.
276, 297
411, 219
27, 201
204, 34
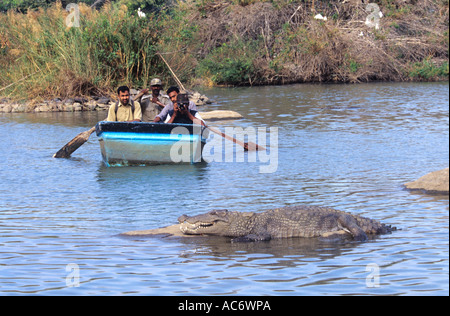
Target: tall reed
110, 47
212, 42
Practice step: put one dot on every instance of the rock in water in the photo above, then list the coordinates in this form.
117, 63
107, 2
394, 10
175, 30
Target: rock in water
433, 182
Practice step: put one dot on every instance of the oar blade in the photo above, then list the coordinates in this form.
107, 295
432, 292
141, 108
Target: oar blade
252, 146
74, 144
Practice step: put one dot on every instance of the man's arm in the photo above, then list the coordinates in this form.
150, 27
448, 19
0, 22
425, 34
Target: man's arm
172, 118
192, 106
156, 101
196, 119
137, 115
111, 114
163, 115
188, 113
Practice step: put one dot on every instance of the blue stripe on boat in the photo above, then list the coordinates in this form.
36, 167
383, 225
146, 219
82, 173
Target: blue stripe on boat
149, 137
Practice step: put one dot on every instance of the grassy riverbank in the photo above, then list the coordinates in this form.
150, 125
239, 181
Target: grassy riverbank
221, 42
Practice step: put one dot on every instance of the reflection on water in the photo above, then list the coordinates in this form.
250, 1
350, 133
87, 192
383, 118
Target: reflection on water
109, 177
346, 146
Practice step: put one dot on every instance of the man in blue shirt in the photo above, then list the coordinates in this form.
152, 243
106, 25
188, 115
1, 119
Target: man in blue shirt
165, 116
181, 113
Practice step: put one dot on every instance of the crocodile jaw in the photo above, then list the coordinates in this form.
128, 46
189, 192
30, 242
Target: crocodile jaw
194, 229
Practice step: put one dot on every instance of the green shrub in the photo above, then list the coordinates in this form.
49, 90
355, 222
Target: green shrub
354, 66
111, 47
229, 64
426, 70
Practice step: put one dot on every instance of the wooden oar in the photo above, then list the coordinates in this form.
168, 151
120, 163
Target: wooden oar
74, 144
247, 146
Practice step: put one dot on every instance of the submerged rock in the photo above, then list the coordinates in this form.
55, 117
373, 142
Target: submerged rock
220, 115
433, 182
199, 99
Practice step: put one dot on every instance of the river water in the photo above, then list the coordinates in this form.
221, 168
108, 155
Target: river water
350, 147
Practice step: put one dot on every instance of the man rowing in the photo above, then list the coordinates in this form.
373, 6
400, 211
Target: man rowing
124, 110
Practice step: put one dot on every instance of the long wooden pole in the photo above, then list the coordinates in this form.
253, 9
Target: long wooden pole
247, 146
173, 74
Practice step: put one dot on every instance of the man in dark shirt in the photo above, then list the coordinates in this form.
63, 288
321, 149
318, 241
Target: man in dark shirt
182, 114
167, 113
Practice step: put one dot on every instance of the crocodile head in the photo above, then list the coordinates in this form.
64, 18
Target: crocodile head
215, 222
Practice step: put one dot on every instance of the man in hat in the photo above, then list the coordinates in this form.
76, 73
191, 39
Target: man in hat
152, 104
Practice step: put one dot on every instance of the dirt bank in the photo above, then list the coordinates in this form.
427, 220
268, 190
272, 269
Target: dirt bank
259, 42
222, 42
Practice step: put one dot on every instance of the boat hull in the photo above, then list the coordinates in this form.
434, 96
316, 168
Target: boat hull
140, 143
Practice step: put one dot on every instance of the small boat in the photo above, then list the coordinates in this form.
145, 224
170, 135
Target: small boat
142, 143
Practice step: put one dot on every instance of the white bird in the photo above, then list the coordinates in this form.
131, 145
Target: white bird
320, 17
140, 13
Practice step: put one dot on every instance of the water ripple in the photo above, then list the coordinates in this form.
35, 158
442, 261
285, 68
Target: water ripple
346, 146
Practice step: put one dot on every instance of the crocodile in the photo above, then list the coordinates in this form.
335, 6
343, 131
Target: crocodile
291, 221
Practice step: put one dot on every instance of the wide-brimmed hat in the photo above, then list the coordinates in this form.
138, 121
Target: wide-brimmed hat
156, 82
